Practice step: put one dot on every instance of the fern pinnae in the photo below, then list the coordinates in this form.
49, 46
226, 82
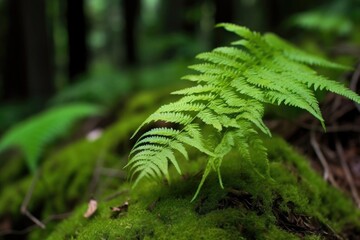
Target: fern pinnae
213, 69
180, 148
295, 87
197, 89
220, 59
223, 148
209, 118
171, 117
297, 55
151, 147
159, 140
162, 131
181, 107
205, 78
247, 89
234, 53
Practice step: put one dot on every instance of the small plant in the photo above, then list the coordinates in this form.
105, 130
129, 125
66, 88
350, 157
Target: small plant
224, 110
32, 135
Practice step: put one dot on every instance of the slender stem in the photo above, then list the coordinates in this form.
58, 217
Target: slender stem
327, 172
27, 199
349, 178
354, 81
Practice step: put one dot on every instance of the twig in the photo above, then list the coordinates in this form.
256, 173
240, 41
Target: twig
354, 81
341, 112
32, 227
327, 172
96, 174
26, 201
349, 178
331, 129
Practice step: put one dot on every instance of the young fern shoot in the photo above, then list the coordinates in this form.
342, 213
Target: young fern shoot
232, 86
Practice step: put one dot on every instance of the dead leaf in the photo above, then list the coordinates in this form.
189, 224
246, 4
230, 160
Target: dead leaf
92, 206
116, 211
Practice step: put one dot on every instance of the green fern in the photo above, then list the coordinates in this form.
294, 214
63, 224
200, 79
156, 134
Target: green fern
233, 85
32, 135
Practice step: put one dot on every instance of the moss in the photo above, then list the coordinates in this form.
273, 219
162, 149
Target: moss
292, 202
66, 174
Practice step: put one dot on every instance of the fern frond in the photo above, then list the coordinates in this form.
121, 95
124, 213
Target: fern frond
232, 87
34, 134
297, 55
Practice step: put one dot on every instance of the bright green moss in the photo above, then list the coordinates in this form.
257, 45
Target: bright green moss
250, 206
66, 174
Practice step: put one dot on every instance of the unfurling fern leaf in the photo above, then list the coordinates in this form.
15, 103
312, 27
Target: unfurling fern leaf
233, 85
32, 135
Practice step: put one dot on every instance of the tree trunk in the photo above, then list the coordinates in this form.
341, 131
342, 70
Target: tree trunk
38, 49
29, 65
77, 31
223, 13
15, 71
131, 10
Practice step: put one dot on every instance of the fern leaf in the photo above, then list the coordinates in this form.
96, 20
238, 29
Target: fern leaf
214, 163
205, 78
220, 59
210, 118
196, 89
234, 53
181, 107
33, 135
179, 147
297, 55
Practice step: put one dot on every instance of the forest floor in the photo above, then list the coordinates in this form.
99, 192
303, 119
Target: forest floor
294, 203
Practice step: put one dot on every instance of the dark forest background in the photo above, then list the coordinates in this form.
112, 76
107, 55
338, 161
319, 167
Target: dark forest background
50, 45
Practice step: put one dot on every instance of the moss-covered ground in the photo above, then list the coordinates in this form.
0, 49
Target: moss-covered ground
293, 202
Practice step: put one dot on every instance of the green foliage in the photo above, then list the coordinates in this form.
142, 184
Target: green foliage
32, 135
70, 168
338, 18
324, 22
105, 85
102, 86
67, 173
233, 86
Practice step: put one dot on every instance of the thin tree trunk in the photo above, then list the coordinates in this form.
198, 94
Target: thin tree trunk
38, 49
15, 71
77, 31
29, 64
131, 10
223, 13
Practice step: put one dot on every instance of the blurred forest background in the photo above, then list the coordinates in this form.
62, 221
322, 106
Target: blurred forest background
55, 51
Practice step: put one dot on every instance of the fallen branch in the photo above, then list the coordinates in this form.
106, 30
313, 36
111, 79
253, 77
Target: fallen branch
349, 178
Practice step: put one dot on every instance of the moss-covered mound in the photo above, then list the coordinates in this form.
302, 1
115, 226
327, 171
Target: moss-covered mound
294, 202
